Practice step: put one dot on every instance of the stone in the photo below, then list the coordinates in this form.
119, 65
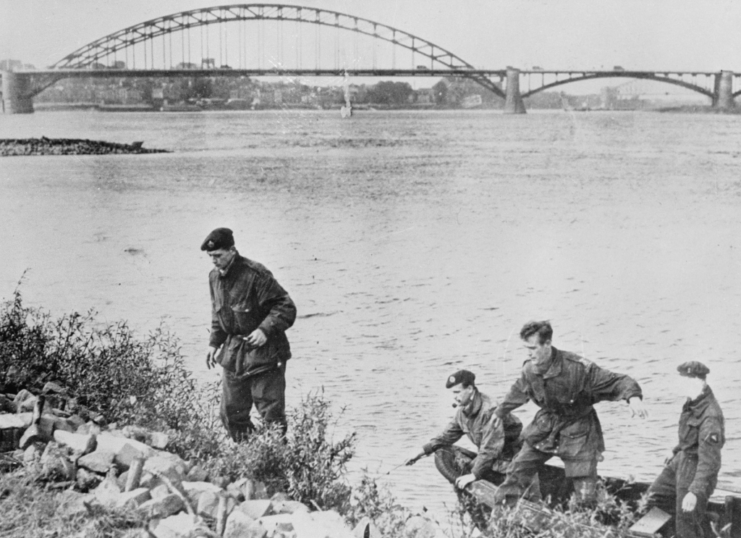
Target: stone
159, 440
99, 461
161, 507
278, 525
82, 444
107, 492
87, 480
289, 507
73, 503
208, 504
134, 474
115, 443
197, 474
136, 432
32, 454
256, 508
173, 469
366, 529
193, 490
126, 455
220, 481
160, 491
256, 530
54, 462
12, 421
76, 422
238, 524
328, 524
133, 498
178, 526
420, 527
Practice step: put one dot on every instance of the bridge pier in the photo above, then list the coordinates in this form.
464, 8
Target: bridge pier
513, 103
17, 98
723, 94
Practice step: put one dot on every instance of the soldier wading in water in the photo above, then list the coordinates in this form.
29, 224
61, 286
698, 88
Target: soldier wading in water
250, 314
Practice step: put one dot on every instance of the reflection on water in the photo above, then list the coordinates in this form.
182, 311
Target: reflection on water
414, 244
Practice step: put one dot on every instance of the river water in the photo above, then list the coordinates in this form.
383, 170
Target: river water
414, 244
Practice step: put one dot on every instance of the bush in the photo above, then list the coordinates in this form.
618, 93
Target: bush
110, 371
305, 463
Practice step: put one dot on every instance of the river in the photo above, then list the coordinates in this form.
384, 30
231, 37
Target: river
414, 244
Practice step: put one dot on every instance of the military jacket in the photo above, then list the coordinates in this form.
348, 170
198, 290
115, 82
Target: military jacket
701, 436
567, 424
246, 298
496, 440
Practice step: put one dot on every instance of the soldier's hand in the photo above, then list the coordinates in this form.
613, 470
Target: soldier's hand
669, 458
211, 357
462, 481
689, 502
637, 407
256, 338
414, 459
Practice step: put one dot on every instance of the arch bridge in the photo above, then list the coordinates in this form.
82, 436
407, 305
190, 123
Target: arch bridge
276, 40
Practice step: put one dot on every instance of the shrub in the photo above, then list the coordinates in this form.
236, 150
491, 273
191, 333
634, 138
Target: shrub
109, 370
305, 463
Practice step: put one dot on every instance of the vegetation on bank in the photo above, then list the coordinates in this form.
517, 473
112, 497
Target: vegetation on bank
144, 382
68, 146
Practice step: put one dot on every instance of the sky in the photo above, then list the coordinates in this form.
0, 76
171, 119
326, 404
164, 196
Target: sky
553, 34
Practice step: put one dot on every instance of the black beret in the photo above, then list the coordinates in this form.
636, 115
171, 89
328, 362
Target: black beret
219, 238
693, 369
461, 376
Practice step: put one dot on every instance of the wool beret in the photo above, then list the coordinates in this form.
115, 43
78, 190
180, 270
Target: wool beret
693, 369
219, 238
461, 376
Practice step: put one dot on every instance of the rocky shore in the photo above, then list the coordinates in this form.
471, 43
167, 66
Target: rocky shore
49, 439
68, 146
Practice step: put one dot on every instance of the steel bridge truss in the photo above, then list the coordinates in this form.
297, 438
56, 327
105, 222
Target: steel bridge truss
568, 77
87, 56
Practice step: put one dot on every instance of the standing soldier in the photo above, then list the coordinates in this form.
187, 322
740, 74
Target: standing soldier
691, 471
497, 443
250, 314
565, 386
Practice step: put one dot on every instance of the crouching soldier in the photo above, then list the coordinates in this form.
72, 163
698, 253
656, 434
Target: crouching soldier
691, 472
497, 440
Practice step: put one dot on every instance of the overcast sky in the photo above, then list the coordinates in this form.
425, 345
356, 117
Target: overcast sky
553, 34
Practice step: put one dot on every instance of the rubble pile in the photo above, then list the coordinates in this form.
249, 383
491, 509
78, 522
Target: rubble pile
103, 465
68, 146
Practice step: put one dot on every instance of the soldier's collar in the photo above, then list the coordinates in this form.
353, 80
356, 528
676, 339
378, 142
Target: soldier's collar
698, 404
554, 368
474, 406
225, 272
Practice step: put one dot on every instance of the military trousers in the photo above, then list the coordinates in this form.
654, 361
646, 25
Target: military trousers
266, 391
668, 490
529, 461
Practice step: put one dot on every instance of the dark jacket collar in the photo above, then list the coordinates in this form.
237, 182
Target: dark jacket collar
556, 365
472, 409
698, 405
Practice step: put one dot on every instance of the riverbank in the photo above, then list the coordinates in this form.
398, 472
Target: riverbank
699, 109
69, 146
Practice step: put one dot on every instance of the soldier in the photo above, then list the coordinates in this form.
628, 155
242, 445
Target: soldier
497, 443
691, 471
250, 314
565, 386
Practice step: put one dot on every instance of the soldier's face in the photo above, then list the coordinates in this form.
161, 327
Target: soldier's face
538, 353
691, 387
221, 257
462, 396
